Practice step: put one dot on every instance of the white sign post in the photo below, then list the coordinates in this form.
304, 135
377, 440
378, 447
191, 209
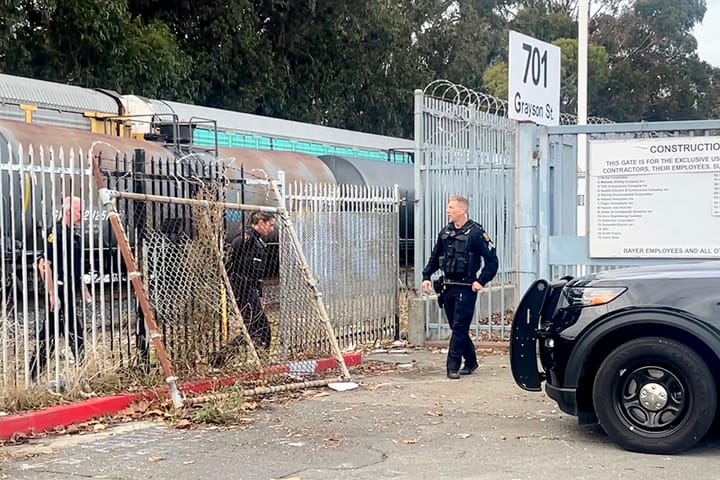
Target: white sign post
654, 198
533, 80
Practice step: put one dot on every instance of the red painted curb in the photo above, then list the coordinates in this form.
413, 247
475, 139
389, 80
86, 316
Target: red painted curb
63, 415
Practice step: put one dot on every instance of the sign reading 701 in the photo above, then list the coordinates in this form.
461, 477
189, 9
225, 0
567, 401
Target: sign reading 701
534, 80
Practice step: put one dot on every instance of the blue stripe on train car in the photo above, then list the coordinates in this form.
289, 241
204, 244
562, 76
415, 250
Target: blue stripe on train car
206, 138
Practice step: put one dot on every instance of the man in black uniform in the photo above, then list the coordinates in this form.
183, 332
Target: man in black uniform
246, 264
458, 250
61, 271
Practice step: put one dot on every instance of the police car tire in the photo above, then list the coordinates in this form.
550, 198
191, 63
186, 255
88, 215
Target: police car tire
681, 369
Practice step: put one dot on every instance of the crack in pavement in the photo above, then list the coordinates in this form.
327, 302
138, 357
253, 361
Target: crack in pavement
81, 475
383, 458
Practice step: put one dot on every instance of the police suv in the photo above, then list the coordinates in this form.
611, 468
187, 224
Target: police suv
636, 350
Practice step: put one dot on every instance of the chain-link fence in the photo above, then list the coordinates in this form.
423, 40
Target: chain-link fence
208, 292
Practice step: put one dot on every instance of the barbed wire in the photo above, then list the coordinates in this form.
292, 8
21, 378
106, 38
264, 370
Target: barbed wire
461, 95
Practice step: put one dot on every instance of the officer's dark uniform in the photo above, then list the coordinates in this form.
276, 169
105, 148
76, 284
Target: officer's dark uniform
458, 252
64, 252
247, 257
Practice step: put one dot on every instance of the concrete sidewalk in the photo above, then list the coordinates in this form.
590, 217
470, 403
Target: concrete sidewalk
405, 421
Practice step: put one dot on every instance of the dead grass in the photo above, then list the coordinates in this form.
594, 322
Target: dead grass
223, 409
81, 384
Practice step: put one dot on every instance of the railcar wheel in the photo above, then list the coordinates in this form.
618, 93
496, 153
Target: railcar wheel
655, 395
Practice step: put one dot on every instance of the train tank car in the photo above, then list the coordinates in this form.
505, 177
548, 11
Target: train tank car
356, 171
32, 193
244, 167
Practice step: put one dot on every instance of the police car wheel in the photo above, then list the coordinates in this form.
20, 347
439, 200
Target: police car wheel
655, 395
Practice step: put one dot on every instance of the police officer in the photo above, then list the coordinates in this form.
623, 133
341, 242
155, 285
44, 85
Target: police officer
246, 264
61, 270
458, 250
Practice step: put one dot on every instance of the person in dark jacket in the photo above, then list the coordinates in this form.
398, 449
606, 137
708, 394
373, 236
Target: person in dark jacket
61, 270
247, 258
468, 259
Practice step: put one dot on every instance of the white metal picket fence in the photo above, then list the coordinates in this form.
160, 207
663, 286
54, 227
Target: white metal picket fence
351, 236
348, 234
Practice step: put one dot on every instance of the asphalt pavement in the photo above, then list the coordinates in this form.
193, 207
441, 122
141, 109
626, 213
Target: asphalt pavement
408, 422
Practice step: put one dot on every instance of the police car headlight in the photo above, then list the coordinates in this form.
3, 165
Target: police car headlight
592, 296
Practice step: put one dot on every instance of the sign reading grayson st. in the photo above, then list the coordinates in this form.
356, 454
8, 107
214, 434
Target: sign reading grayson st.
533, 80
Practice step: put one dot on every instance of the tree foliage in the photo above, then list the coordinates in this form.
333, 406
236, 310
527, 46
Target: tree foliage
94, 43
355, 64
655, 73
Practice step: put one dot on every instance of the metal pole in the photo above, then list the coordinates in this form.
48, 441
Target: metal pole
136, 278
583, 19
189, 201
252, 392
582, 100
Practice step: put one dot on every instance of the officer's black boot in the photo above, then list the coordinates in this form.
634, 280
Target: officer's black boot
468, 370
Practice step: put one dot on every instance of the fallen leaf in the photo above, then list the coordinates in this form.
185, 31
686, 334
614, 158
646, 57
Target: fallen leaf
73, 428
140, 406
250, 406
183, 424
155, 459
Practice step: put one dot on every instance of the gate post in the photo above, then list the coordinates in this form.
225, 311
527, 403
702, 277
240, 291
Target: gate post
419, 207
544, 219
526, 205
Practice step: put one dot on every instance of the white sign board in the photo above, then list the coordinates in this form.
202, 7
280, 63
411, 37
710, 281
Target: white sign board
533, 80
654, 198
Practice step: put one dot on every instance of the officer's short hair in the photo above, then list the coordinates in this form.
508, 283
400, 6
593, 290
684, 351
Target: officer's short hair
255, 217
69, 201
461, 200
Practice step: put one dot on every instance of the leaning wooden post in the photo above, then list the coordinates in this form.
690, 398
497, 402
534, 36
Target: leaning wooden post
136, 278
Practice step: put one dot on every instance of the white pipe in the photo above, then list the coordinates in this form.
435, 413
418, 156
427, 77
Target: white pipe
583, 19
582, 104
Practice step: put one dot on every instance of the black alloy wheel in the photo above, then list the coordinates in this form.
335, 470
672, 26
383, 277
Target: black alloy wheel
655, 395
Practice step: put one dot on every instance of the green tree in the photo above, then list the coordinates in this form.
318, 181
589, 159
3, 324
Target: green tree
93, 43
655, 73
233, 63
